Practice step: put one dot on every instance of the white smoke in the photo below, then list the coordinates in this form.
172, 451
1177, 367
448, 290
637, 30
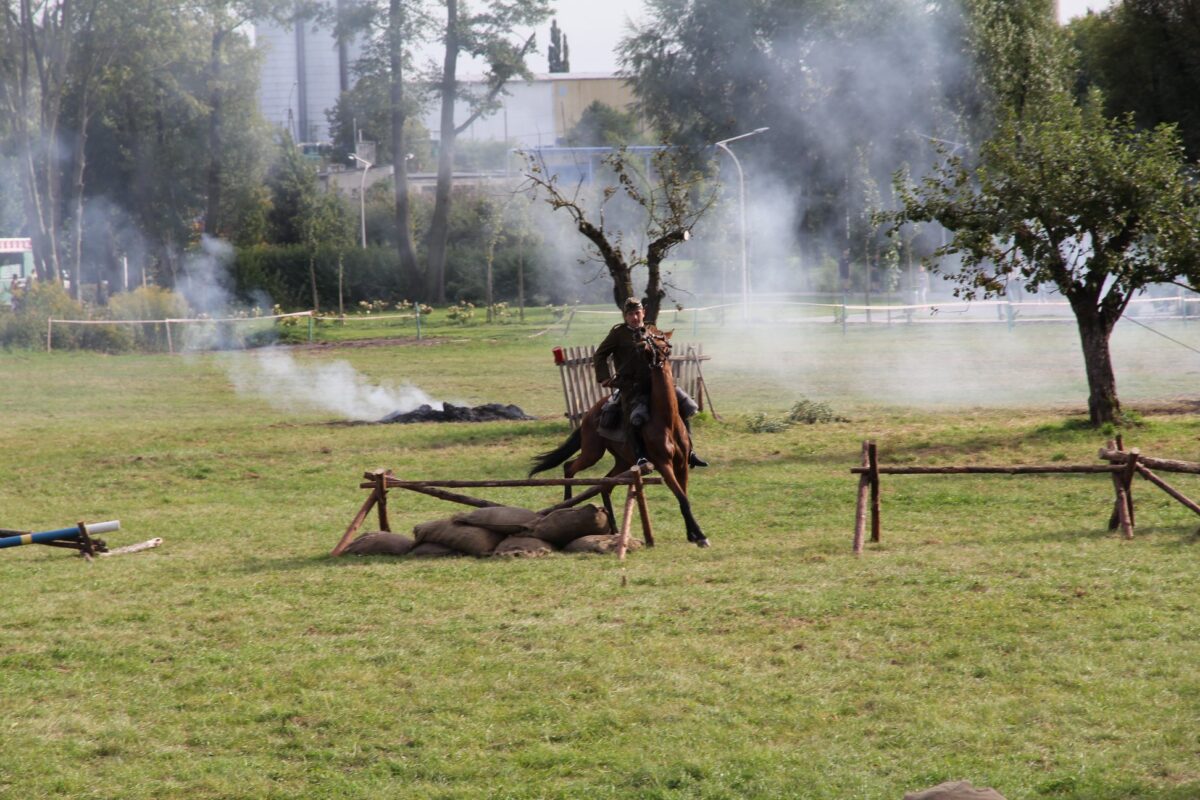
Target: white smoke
206, 283
274, 375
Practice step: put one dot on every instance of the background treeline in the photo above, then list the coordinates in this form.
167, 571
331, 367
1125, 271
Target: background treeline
130, 130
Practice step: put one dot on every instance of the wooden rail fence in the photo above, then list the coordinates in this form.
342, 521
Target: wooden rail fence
581, 391
1122, 465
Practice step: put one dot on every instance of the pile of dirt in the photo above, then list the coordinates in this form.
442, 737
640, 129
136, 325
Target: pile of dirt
488, 412
499, 531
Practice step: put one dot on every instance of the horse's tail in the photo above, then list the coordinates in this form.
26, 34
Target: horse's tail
557, 456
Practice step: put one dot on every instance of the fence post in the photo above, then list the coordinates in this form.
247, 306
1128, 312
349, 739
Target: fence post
49, 332
417, 311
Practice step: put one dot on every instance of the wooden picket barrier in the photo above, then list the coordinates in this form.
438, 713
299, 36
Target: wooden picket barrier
581, 392
380, 481
1122, 466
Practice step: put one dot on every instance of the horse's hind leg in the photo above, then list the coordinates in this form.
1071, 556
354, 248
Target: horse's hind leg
606, 496
591, 449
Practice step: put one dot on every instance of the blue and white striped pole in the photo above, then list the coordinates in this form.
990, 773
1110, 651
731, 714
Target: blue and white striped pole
42, 537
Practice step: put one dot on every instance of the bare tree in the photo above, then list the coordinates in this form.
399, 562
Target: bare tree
671, 196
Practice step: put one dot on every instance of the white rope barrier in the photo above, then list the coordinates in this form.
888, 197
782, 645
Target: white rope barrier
166, 322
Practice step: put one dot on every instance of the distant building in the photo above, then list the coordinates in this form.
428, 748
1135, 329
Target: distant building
539, 112
304, 71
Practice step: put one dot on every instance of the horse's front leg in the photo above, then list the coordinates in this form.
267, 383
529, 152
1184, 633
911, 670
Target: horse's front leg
694, 534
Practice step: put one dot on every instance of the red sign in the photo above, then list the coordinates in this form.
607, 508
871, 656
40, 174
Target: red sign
16, 245
559, 357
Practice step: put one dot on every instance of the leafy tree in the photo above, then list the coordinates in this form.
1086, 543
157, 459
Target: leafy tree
391, 29
1068, 198
601, 125
302, 213
52, 59
225, 20
363, 111
672, 199
830, 79
1145, 55
484, 35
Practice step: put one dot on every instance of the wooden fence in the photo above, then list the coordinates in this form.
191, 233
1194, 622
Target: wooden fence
581, 392
1123, 465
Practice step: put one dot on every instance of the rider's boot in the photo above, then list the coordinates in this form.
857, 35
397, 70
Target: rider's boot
693, 459
639, 449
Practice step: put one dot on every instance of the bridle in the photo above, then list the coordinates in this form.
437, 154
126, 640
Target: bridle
658, 346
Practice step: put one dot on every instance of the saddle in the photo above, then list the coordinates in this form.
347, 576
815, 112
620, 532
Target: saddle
609, 424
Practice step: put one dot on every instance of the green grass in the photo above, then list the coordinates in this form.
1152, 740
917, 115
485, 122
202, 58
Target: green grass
999, 633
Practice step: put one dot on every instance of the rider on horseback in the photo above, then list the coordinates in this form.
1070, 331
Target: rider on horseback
632, 380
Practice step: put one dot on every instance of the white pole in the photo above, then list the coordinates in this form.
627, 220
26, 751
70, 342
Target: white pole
362, 206
724, 145
362, 195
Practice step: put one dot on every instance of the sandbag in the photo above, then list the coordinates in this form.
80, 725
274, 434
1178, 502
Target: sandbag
567, 524
469, 539
955, 790
431, 550
502, 519
601, 543
522, 547
381, 543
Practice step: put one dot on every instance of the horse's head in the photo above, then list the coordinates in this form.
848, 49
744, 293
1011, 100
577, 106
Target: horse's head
655, 344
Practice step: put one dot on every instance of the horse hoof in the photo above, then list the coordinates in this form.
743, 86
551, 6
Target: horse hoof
702, 542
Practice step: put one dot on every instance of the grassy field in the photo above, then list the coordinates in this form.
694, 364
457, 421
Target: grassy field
998, 634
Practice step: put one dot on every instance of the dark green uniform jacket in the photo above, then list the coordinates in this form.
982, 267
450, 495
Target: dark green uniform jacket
632, 373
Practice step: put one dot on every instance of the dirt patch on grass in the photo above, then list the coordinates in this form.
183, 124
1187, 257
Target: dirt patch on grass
1166, 408
398, 341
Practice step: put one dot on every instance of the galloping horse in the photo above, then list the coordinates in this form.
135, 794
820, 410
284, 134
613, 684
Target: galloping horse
664, 436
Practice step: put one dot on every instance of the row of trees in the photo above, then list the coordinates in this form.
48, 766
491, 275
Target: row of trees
131, 129
1053, 158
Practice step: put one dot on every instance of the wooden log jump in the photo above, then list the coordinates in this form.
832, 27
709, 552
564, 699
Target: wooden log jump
380, 481
1122, 467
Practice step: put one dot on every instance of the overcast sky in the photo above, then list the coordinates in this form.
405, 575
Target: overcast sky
593, 28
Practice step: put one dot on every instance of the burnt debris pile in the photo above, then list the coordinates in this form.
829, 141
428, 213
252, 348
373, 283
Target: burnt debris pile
488, 412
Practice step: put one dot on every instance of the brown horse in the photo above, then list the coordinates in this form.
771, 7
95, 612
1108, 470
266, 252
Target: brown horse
664, 436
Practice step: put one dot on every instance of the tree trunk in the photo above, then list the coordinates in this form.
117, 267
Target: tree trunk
216, 99
439, 223
404, 243
80, 165
312, 278
1094, 333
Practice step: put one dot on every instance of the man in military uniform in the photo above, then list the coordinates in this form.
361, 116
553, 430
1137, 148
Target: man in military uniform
632, 379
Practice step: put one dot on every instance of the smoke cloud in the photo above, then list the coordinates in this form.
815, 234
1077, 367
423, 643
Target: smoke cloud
276, 376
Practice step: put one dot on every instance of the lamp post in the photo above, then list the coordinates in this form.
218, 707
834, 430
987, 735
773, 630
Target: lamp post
724, 145
362, 195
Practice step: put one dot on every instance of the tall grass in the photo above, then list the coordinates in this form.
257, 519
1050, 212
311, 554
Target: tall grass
999, 633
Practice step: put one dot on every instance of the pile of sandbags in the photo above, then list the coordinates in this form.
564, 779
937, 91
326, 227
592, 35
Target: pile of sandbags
502, 531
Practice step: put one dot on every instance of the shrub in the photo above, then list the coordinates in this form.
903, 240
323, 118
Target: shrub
811, 412
26, 326
148, 302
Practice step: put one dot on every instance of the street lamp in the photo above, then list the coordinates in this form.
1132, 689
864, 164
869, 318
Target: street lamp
723, 144
362, 195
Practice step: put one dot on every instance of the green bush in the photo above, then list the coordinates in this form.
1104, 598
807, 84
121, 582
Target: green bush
148, 302
26, 327
116, 338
